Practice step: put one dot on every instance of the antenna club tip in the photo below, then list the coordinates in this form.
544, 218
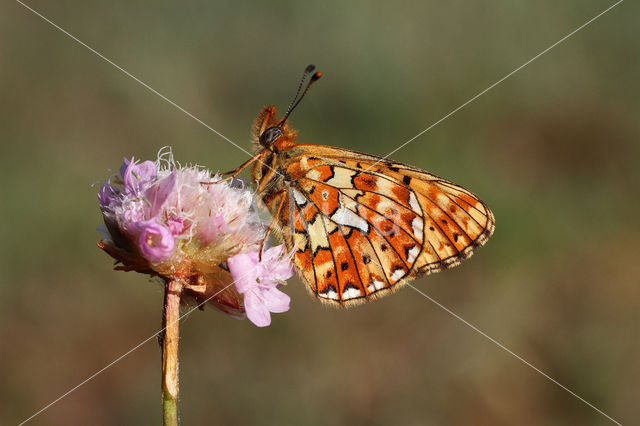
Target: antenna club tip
310, 68
316, 76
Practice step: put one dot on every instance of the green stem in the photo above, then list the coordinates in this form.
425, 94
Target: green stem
170, 324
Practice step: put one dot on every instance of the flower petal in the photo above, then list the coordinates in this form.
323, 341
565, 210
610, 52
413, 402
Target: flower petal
136, 176
274, 266
273, 254
126, 165
275, 300
243, 270
157, 194
145, 171
106, 195
256, 310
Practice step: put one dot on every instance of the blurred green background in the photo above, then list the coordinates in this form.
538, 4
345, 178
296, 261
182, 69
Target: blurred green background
553, 150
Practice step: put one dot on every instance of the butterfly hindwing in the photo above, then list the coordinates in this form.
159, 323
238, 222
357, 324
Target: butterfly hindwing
362, 226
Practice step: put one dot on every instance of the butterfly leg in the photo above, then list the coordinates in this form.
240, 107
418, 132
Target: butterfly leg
235, 172
277, 198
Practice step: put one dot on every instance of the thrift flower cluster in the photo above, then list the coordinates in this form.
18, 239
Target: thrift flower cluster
175, 222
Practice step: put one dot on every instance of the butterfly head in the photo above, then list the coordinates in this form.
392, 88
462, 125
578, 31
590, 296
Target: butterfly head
268, 129
269, 136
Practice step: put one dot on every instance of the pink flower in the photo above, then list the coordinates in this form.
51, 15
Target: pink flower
137, 176
155, 241
182, 222
258, 281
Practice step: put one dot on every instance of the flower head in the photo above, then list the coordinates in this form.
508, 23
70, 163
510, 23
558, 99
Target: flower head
181, 223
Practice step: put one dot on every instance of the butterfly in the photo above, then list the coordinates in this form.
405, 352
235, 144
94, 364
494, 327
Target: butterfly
359, 226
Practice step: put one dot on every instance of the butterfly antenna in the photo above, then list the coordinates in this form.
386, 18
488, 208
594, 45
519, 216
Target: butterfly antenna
296, 100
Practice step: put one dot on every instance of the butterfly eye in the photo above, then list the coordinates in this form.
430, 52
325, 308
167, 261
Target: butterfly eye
270, 135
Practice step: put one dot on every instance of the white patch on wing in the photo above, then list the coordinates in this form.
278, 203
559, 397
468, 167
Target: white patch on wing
351, 292
413, 202
412, 253
317, 235
304, 162
346, 217
300, 199
397, 274
416, 226
371, 288
313, 174
330, 295
378, 284
341, 177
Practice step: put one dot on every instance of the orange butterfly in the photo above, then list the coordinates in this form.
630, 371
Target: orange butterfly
360, 226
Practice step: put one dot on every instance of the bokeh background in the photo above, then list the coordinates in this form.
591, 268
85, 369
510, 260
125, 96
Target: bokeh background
553, 150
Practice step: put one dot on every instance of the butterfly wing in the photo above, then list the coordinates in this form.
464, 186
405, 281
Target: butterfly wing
362, 226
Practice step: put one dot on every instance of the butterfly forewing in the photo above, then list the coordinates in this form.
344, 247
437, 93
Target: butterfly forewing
361, 226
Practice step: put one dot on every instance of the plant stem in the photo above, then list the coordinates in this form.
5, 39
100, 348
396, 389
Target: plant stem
170, 324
